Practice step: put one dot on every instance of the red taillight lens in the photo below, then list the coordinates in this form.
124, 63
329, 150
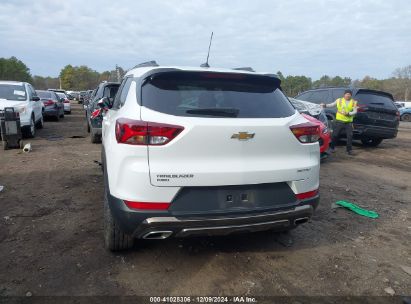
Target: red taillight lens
361, 108
66, 101
95, 113
135, 132
49, 102
306, 132
305, 195
398, 115
147, 205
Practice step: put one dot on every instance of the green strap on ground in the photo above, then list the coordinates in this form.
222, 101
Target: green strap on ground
357, 209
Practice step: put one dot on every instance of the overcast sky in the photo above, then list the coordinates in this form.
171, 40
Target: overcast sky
349, 38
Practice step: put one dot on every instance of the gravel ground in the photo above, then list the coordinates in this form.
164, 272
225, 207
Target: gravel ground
51, 231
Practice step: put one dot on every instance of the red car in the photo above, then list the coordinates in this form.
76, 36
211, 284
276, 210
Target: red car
325, 137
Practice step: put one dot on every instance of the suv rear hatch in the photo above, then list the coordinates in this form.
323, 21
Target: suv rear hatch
376, 108
236, 130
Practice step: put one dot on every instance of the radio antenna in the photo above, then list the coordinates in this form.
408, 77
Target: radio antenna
206, 65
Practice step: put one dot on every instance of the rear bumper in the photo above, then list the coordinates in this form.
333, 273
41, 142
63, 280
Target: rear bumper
51, 112
369, 131
96, 130
156, 224
224, 225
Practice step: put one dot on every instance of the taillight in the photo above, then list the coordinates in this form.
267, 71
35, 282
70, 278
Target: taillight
306, 132
49, 102
306, 195
147, 205
398, 115
95, 113
66, 101
135, 132
361, 108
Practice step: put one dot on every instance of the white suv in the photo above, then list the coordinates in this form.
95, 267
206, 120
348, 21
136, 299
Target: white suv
204, 151
23, 98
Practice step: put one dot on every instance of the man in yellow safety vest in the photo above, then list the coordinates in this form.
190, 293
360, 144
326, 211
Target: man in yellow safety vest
346, 110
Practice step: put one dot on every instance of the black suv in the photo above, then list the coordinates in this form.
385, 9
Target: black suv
377, 116
104, 89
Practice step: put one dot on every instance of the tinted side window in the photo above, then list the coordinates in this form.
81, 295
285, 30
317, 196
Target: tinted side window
305, 96
319, 96
117, 100
337, 93
32, 92
122, 93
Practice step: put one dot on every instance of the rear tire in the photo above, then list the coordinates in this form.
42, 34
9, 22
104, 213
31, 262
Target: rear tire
406, 117
114, 238
95, 138
371, 142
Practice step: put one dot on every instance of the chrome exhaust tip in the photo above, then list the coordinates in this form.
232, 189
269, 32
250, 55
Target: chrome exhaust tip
157, 235
301, 220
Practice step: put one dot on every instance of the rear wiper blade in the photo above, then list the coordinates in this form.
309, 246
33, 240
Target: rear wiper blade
378, 103
224, 112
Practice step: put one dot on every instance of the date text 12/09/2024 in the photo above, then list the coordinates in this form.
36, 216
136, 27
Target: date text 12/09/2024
203, 299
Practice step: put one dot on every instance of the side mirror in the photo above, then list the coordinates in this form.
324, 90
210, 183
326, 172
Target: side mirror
35, 98
104, 103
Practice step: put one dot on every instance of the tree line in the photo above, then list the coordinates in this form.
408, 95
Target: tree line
79, 78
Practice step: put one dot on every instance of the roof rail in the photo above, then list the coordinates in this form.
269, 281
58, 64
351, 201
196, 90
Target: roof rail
151, 63
248, 69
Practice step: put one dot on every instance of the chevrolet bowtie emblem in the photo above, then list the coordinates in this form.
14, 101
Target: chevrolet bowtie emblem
243, 135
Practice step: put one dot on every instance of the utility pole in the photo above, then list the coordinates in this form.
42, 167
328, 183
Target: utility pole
118, 73
60, 82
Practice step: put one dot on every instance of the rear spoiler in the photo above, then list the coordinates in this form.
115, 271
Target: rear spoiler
376, 92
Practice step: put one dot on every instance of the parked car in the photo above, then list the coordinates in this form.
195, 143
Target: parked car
105, 89
66, 102
403, 104
23, 98
73, 95
205, 151
81, 96
399, 105
405, 114
53, 104
57, 90
87, 97
316, 114
377, 118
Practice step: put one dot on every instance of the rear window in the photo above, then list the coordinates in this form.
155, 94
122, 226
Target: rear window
45, 94
12, 92
375, 100
215, 95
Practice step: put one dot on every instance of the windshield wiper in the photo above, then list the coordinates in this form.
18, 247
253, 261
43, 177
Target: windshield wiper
223, 112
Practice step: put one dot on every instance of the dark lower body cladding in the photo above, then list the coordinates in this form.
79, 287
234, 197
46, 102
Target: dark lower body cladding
372, 131
54, 112
360, 131
218, 211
